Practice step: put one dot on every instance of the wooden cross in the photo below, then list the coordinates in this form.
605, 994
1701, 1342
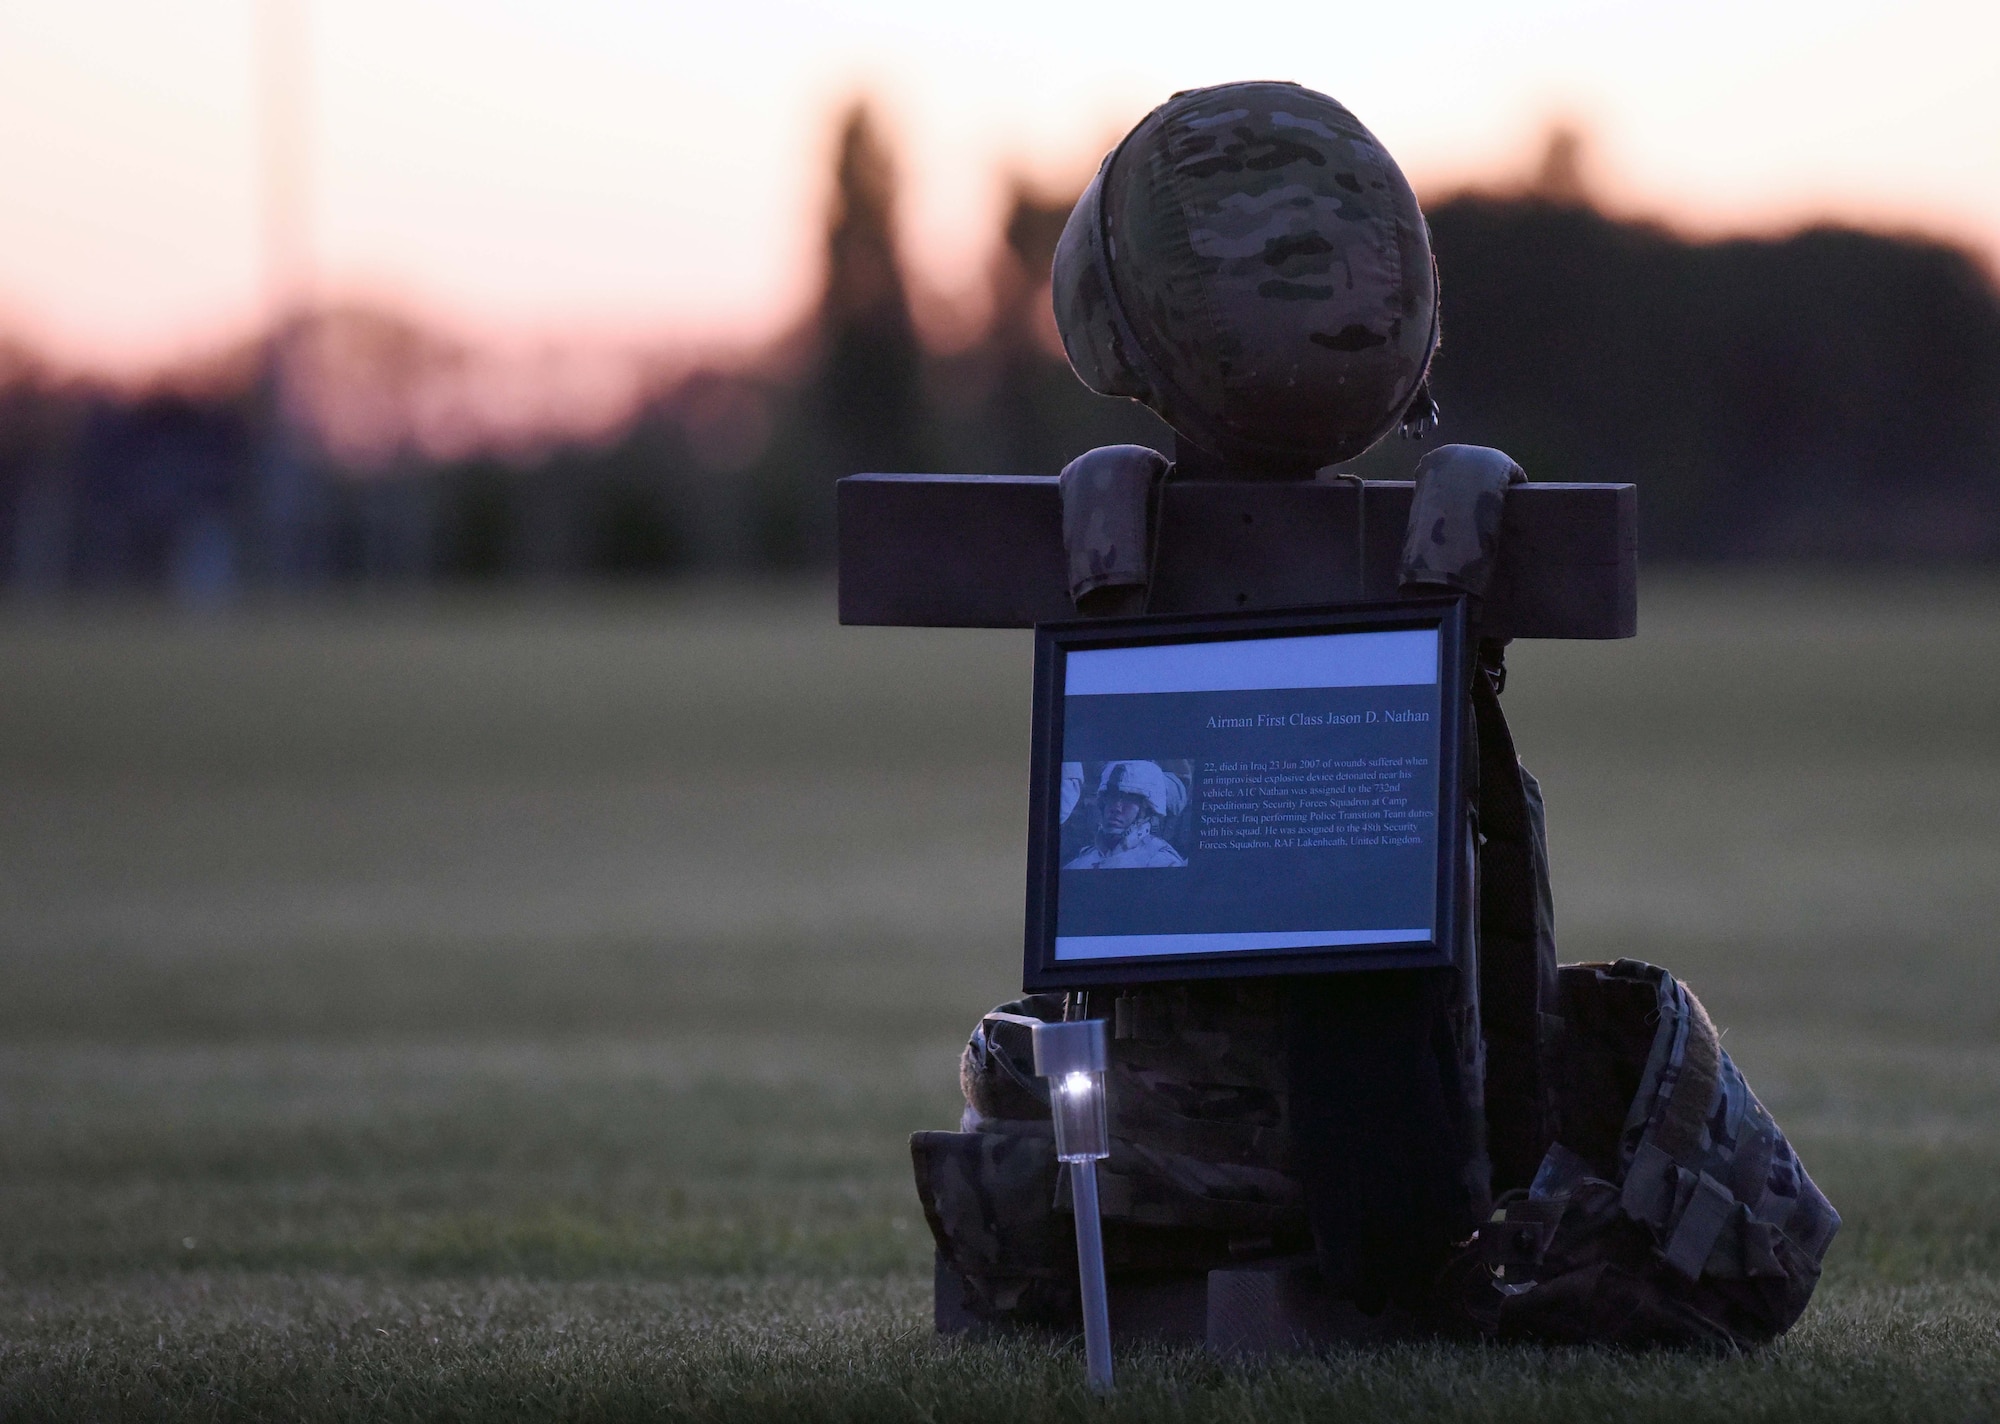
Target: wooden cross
986, 551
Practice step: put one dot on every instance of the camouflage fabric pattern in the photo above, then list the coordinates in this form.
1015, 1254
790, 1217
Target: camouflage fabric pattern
1197, 1174
1251, 263
1199, 1133
989, 1199
1207, 1152
1107, 504
1453, 537
1688, 1221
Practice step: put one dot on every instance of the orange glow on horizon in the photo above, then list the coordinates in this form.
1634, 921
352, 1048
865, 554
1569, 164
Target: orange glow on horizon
600, 179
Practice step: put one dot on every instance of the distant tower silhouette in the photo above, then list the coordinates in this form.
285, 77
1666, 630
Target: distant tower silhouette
864, 406
288, 524
284, 76
1562, 176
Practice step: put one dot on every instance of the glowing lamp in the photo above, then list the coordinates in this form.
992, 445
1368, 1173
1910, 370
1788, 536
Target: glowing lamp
1073, 1057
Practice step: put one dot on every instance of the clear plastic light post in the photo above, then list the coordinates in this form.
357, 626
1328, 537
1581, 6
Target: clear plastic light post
1073, 1057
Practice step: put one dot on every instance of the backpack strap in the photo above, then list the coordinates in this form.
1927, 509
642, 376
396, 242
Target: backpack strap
1108, 521
1517, 950
1452, 542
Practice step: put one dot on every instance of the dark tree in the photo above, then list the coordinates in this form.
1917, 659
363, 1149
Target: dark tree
1028, 382
1833, 394
871, 376
864, 407
1011, 404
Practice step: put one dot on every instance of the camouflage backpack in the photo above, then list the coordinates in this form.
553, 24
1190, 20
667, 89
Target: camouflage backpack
1670, 1209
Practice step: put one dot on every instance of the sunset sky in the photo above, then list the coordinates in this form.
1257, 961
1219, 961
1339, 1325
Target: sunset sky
598, 171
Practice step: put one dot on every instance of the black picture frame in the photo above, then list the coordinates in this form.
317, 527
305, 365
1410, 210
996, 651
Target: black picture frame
1054, 642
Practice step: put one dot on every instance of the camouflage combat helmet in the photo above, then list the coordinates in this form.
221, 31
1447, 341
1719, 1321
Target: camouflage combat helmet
1250, 263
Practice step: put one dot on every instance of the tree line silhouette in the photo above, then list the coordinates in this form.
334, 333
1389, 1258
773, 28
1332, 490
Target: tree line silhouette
1833, 394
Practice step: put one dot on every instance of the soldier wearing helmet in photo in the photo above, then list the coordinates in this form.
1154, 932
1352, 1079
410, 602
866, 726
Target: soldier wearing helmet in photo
1133, 798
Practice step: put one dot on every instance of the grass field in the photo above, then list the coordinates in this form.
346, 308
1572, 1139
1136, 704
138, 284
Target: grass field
518, 1010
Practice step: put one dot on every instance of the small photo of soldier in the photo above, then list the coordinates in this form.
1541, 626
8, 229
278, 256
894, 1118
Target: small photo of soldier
1125, 815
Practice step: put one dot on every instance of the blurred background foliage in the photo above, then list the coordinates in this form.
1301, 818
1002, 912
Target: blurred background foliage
1830, 395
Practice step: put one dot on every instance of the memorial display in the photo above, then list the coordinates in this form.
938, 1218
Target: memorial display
1271, 789
1350, 1093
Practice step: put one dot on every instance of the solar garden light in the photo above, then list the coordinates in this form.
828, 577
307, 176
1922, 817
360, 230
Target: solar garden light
1073, 1057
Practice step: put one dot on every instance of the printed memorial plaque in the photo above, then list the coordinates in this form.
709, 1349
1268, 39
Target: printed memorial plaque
1258, 794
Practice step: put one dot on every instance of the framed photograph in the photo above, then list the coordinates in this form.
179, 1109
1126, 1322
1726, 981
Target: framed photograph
1249, 794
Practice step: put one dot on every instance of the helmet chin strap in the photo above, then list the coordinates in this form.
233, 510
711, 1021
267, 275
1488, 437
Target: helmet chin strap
1421, 418
1141, 829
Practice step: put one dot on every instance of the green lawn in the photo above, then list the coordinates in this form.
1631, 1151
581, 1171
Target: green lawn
498, 1010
